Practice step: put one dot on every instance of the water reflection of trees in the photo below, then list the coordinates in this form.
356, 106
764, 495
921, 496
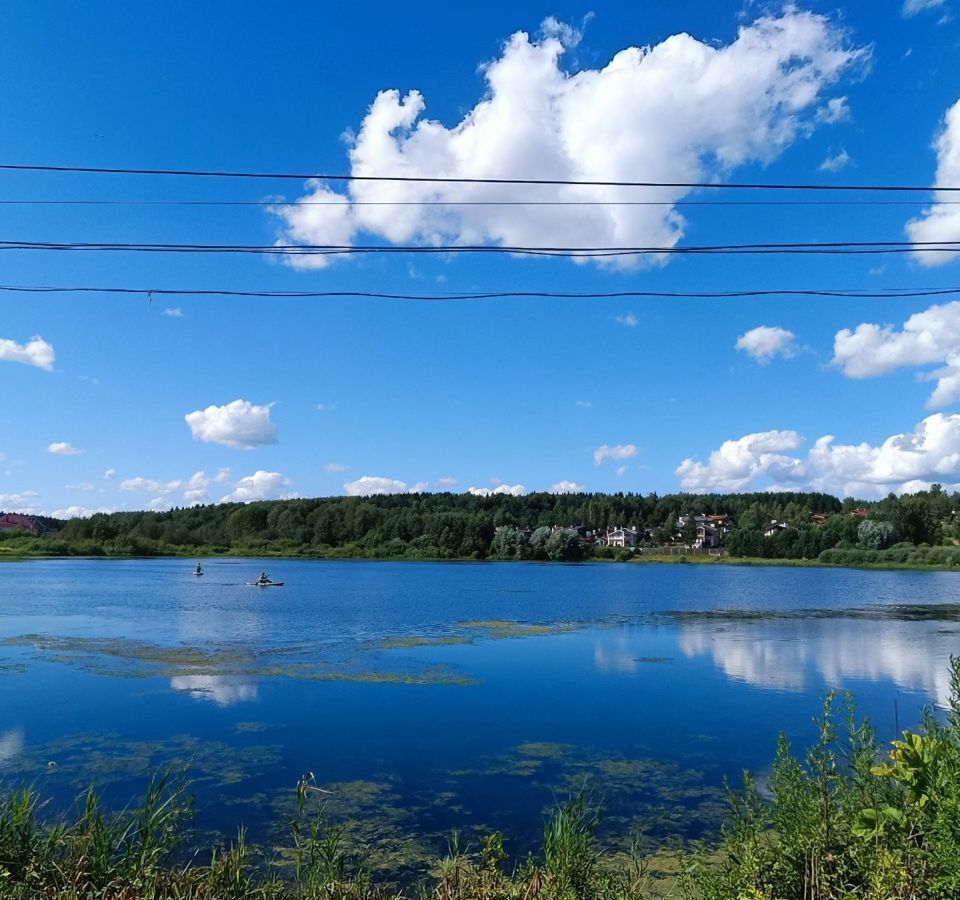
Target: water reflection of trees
783, 653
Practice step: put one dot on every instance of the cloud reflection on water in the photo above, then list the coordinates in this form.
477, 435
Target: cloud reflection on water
781, 654
221, 690
11, 745
616, 656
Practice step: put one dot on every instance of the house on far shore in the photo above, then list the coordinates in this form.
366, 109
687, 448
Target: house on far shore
622, 537
19, 522
722, 522
818, 518
708, 538
775, 527
859, 513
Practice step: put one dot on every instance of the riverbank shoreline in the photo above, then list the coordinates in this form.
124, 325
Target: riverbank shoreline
651, 559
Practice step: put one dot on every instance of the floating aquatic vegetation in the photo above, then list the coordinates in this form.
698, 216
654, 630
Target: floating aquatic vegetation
205, 670
250, 727
62, 648
404, 642
375, 822
502, 628
106, 758
545, 749
663, 801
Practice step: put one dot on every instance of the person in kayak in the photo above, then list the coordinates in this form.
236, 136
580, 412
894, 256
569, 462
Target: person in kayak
198, 570
263, 579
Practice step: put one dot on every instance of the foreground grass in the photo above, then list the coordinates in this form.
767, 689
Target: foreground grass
846, 821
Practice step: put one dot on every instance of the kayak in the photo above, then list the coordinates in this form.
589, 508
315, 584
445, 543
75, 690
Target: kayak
198, 574
264, 584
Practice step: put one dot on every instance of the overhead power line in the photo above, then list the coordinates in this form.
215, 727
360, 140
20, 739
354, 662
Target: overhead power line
802, 248
446, 179
845, 293
348, 202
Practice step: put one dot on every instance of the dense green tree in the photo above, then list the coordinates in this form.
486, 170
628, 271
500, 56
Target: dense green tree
465, 526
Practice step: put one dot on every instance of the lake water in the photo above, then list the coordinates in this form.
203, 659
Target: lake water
427, 697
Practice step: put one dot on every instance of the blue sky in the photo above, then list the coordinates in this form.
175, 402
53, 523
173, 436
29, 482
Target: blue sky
506, 392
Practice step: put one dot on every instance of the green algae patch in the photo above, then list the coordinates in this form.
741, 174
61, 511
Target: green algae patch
178, 655
545, 749
250, 727
105, 758
501, 628
123, 658
375, 822
433, 676
406, 642
648, 802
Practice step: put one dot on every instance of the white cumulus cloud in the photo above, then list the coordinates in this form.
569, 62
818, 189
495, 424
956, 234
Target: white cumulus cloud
931, 337
766, 342
683, 110
374, 484
79, 512
149, 486
901, 463
567, 487
941, 222
513, 490
737, 463
36, 352
239, 424
22, 502
63, 448
195, 488
260, 486
618, 451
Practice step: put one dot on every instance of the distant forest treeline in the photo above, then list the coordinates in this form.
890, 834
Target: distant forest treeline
916, 528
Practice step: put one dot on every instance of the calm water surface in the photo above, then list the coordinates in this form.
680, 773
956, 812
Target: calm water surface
432, 696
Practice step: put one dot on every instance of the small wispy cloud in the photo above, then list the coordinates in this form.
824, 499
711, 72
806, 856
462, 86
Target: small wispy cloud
836, 162
766, 342
630, 320
335, 467
915, 7
836, 110
174, 312
63, 448
618, 451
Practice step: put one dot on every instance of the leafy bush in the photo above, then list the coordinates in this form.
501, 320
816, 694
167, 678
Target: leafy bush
845, 823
